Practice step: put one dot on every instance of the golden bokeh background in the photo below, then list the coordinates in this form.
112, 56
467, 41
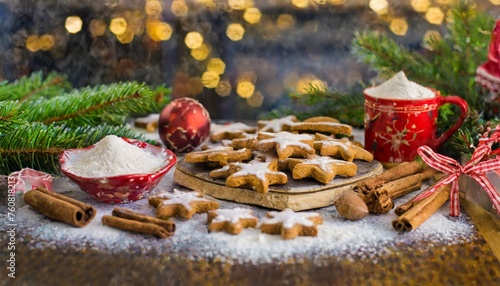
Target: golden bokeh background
238, 57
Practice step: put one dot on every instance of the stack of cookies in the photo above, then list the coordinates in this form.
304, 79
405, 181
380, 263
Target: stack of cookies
267, 154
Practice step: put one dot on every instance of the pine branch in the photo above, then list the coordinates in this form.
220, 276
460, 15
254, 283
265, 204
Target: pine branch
38, 146
94, 105
34, 86
347, 107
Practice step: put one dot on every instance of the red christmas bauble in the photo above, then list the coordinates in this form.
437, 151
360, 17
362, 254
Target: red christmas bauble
184, 124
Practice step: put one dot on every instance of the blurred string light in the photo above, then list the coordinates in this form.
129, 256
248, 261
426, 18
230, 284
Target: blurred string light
240, 4
158, 31
337, 2
398, 26
73, 24
300, 3
285, 21
421, 5
495, 2
207, 3
179, 8
255, 100
252, 15
434, 15
245, 88
216, 65
97, 27
235, 32
33, 43
126, 37
201, 53
153, 8
379, 6
305, 83
193, 40
223, 88
118, 25
210, 79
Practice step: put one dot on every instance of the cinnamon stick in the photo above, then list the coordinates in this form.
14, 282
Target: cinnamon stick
401, 209
422, 210
400, 171
131, 221
60, 207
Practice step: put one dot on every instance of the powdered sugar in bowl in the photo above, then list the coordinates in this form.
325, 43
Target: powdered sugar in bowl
117, 170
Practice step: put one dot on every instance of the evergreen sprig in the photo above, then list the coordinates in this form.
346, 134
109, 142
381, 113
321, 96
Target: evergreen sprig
448, 63
38, 146
34, 86
94, 105
347, 107
41, 116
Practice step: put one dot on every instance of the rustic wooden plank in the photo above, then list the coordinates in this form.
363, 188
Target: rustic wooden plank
296, 194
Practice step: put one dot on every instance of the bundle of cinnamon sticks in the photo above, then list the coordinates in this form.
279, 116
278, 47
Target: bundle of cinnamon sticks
379, 191
131, 221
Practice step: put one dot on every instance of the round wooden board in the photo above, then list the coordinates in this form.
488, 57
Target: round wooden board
296, 194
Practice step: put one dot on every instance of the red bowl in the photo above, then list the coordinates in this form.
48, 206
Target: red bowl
122, 188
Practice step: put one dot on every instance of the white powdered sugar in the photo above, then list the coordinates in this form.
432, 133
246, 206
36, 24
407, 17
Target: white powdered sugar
399, 87
369, 238
112, 156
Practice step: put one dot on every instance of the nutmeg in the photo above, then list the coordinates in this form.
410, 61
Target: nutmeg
351, 206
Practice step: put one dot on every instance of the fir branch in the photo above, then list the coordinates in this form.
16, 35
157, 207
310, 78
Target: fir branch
347, 107
116, 99
38, 146
33, 86
10, 116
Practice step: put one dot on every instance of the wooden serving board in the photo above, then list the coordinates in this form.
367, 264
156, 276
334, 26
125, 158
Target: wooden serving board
296, 194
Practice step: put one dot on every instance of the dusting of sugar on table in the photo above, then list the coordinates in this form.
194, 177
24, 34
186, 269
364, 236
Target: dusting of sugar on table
370, 237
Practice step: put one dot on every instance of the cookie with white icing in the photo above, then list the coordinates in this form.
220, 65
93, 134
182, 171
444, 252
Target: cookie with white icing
180, 204
290, 224
254, 174
219, 132
232, 221
340, 148
321, 168
285, 144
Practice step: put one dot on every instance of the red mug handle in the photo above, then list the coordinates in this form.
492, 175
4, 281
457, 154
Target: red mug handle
464, 108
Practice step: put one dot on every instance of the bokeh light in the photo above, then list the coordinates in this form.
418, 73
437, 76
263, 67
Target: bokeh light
245, 88
421, 5
255, 100
118, 25
179, 8
46, 42
193, 40
216, 65
97, 27
240, 4
252, 15
201, 53
379, 6
285, 21
235, 32
399, 26
210, 79
153, 7
434, 16
73, 24
223, 88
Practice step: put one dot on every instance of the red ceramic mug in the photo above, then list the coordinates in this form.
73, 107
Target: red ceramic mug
395, 128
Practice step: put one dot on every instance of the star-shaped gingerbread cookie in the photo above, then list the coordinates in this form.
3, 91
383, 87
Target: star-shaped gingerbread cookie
256, 174
285, 144
291, 224
277, 124
180, 204
232, 221
229, 131
219, 156
322, 168
340, 148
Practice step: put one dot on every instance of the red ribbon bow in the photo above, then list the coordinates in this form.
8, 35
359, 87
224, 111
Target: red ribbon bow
475, 168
